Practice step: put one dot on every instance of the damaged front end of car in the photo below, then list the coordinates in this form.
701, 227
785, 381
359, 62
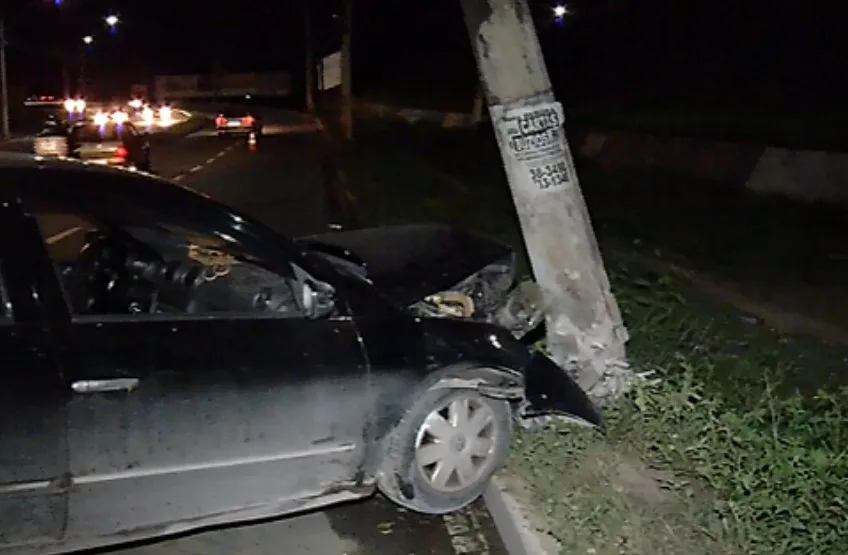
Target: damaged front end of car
538, 388
490, 295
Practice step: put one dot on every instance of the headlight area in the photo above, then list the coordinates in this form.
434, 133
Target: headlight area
489, 295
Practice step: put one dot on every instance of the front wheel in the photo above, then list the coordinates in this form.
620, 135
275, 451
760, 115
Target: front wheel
443, 453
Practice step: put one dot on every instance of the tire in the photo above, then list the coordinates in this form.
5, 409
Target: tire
412, 453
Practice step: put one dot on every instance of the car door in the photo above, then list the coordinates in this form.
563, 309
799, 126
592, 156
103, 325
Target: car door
33, 448
183, 418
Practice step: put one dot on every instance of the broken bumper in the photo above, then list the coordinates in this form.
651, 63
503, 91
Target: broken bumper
550, 392
544, 391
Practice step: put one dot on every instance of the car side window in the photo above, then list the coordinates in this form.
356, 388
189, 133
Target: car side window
155, 271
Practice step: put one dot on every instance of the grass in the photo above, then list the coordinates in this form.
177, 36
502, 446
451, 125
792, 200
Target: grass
740, 443
740, 447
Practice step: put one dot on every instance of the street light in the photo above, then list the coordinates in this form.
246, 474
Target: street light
87, 41
111, 20
560, 11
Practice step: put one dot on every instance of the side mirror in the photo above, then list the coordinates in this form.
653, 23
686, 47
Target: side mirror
317, 299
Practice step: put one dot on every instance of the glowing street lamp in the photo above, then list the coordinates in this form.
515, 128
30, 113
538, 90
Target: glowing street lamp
88, 39
560, 11
111, 20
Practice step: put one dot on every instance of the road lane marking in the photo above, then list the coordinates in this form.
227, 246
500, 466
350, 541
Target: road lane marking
466, 533
62, 235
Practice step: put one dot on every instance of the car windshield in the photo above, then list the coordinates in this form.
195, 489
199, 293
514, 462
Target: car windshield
100, 133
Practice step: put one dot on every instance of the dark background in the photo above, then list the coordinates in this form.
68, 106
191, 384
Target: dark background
787, 56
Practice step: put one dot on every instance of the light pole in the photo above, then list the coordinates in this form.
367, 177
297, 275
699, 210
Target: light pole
86, 42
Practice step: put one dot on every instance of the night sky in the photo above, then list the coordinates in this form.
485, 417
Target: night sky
745, 52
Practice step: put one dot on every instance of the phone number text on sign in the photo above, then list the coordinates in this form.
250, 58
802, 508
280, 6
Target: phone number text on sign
549, 175
536, 140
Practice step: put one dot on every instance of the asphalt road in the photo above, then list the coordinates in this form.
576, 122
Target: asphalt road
280, 183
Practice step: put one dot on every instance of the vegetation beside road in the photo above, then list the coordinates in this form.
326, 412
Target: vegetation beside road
816, 130
740, 444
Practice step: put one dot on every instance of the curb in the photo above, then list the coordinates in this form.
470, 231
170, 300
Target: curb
517, 533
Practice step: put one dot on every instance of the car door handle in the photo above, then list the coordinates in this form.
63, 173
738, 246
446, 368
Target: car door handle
103, 386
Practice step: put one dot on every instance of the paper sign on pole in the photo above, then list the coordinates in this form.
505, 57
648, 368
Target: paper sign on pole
330, 72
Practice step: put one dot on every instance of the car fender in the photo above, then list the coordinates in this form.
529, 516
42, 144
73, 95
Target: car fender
548, 391
496, 383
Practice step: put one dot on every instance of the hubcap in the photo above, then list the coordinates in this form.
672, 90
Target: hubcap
455, 446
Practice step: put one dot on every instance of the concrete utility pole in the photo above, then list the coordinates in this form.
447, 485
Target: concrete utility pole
347, 86
4, 80
585, 332
310, 58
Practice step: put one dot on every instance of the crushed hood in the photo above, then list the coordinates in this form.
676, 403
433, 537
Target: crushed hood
408, 263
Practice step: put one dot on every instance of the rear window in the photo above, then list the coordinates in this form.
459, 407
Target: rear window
237, 112
100, 133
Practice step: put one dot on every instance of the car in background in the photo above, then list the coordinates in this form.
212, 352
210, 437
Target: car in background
112, 144
238, 121
173, 364
54, 138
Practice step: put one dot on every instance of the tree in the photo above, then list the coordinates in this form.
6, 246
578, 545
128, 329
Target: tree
585, 333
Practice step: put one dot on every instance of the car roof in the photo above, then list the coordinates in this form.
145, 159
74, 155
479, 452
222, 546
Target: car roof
117, 192
98, 181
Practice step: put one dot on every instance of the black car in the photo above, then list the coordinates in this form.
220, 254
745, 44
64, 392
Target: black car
172, 364
234, 120
111, 144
